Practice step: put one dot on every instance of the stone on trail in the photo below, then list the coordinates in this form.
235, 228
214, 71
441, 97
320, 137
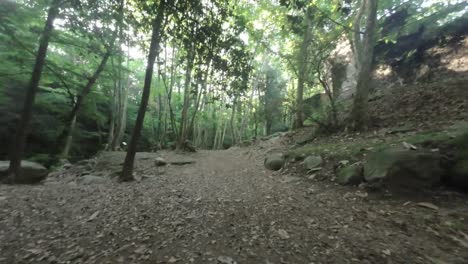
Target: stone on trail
313, 162
274, 161
31, 172
160, 162
350, 175
404, 170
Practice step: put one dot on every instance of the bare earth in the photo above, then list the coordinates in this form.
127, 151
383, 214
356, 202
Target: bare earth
225, 208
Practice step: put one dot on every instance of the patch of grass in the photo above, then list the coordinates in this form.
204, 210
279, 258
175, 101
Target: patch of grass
348, 148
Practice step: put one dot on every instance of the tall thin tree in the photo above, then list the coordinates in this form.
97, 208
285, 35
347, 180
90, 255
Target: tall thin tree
157, 29
23, 125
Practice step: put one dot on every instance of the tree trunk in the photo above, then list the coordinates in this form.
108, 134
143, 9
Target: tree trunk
127, 171
232, 119
121, 106
169, 95
160, 117
184, 116
110, 136
199, 97
69, 139
223, 135
23, 125
364, 54
302, 75
79, 102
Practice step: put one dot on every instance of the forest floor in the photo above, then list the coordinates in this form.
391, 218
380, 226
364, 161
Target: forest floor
224, 208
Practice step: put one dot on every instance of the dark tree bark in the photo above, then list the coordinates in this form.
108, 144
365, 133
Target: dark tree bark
23, 125
127, 171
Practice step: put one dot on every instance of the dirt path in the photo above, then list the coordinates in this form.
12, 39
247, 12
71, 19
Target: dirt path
224, 208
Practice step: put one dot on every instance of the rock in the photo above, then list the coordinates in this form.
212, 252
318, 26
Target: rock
91, 180
31, 172
404, 170
350, 175
312, 162
459, 174
160, 162
188, 145
274, 161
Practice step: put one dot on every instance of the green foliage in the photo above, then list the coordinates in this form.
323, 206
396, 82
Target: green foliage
247, 55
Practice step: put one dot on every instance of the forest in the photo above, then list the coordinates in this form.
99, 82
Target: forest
255, 104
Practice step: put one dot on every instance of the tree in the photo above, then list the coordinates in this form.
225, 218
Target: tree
302, 71
157, 31
363, 49
23, 125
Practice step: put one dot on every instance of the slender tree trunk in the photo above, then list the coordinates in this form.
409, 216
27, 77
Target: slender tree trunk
232, 119
127, 171
364, 53
69, 140
23, 125
110, 136
302, 75
223, 136
169, 96
160, 117
199, 97
331, 98
79, 102
246, 116
184, 116
121, 120
216, 135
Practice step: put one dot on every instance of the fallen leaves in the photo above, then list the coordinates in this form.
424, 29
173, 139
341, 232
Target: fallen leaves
283, 234
409, 146
226, 260
172, 259
428, 205
93, 216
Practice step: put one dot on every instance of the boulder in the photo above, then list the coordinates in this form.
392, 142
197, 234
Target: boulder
313, 162
404, 170
160, 162
31, 172
459, 174
274, 161
350, 175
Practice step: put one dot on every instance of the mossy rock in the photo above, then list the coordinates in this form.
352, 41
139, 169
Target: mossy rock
313, 162
274, 161
30, 172
350, 175
459, 175
404, 170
